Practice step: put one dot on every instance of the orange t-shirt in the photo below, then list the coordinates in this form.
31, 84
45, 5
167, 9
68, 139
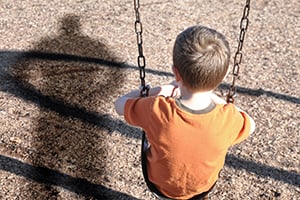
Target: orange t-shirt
188, 148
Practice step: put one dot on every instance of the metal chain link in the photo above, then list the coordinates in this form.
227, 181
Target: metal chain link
239, 55
141, 58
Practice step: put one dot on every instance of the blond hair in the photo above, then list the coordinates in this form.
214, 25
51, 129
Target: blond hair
201, 55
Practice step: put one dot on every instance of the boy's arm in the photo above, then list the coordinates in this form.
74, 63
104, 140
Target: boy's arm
166, 90
219, 100
121, 101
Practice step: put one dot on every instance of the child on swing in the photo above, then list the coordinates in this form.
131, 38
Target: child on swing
189, 128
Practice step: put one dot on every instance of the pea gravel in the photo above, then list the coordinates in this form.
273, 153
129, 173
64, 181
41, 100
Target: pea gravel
63, 63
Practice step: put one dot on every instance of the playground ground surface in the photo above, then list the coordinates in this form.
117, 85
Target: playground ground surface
63, 63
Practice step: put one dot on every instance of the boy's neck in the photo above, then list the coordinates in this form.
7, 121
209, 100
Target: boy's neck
195, 100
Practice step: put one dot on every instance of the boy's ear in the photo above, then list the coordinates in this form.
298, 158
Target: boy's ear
176, 74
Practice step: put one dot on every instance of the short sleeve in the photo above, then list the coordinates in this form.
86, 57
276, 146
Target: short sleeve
244, 129
138, 110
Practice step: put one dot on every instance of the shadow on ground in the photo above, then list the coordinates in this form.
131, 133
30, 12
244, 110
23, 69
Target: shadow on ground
72, 78
50, 178
69, 93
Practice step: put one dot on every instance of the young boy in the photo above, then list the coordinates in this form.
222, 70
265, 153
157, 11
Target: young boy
188, 127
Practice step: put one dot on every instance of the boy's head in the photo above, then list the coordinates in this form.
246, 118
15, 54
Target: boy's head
201, 57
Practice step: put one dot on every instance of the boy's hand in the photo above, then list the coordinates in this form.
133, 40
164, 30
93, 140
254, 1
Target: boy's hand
216, 99
170, 90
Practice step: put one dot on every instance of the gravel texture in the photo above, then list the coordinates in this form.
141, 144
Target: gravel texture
63, 63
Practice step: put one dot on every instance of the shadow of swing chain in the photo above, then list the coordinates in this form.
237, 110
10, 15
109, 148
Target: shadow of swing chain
9, 56
262, 170
48, 176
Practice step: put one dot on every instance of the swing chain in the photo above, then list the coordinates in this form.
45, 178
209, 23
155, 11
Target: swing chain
238, 55
141, 58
